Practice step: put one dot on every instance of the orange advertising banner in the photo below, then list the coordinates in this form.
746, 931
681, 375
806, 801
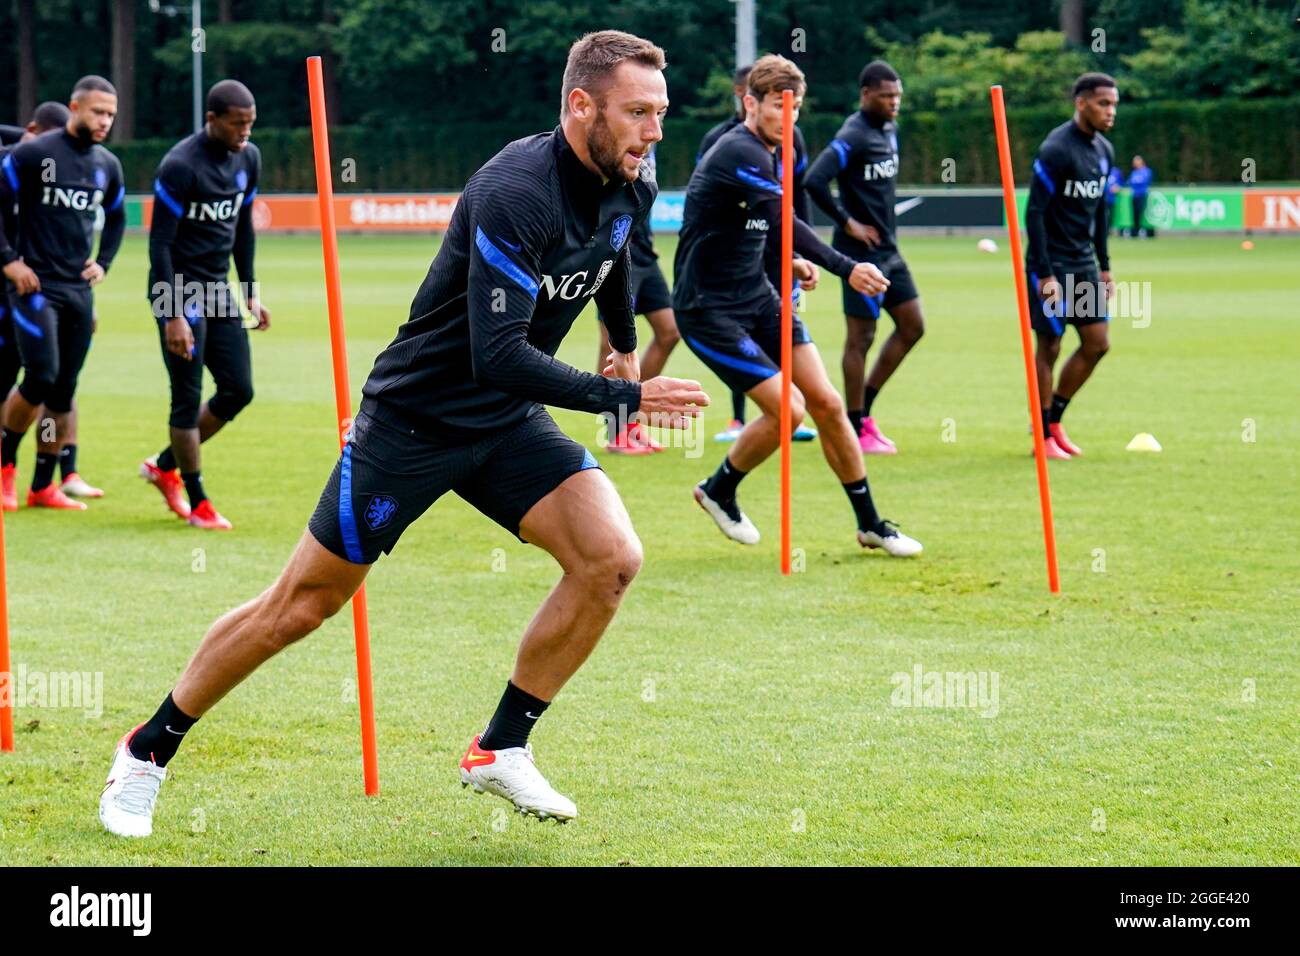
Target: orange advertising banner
1272, 209
368, 212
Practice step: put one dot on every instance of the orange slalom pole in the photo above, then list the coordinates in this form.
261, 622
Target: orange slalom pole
787, 313
342, 399
1022, 300
7, 689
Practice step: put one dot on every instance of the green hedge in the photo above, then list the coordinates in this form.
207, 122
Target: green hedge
1184, 142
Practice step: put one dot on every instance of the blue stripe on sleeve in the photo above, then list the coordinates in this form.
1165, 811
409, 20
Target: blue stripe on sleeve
11, 174
121, 195
503, 263
166, 199
1044, 176
842, 150
758, 181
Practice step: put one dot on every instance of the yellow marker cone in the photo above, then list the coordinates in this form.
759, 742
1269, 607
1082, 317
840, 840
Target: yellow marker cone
1143, 442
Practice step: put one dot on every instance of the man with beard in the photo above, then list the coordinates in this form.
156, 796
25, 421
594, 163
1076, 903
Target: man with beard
454, 403
58, 181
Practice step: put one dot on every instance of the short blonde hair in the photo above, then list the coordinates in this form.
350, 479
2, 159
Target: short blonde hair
594, 57
775, 72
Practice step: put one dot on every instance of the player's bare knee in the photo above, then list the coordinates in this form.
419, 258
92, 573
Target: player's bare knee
607, 571
825, 405
911, 332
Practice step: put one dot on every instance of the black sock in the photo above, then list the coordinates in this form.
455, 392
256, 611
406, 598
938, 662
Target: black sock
868, 396
44, 473
863, 507
158, 739
1058, 406
166, 460
68, 461
9, 446
722, 485
855, 419
738, 406
194, 487
1047, 423
513, 721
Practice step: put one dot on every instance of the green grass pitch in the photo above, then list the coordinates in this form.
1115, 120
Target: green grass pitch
1147, 715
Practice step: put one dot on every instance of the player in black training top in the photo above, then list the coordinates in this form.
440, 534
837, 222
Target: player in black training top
454, 403
729, 311
59, 181
1067, 262
802, 209
651, 298
202, 213
48, 116
863, 160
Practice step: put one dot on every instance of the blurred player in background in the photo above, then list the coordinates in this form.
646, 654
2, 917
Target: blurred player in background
1067, 259
863, 160
202, 214
729, 311
802, 209
58, 181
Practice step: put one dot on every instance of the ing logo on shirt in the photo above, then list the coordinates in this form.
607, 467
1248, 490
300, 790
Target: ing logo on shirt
886, 169
1086, 189
82, 200
218, 211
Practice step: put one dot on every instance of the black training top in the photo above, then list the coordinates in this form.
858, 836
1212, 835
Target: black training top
1066, 214
60, 183
534, 235
202, 211
733, 203
863, 160
802, 204
642, 247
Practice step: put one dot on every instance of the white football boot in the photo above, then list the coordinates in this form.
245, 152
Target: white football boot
512, 774
894, 542
731, 521
127, 801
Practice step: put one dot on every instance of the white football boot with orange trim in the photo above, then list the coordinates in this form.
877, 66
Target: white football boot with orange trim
128, 798
512, 774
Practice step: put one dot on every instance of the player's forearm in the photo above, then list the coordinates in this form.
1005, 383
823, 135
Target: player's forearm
518, 368
110, 240
817, 185
1100, 239
245, 244
813, 249
1036, 230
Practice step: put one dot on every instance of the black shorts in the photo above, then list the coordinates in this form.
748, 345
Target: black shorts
387, 476
52, 328
901, 286
742, 349
10, 363
649, 289
220, 346
1082, 302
